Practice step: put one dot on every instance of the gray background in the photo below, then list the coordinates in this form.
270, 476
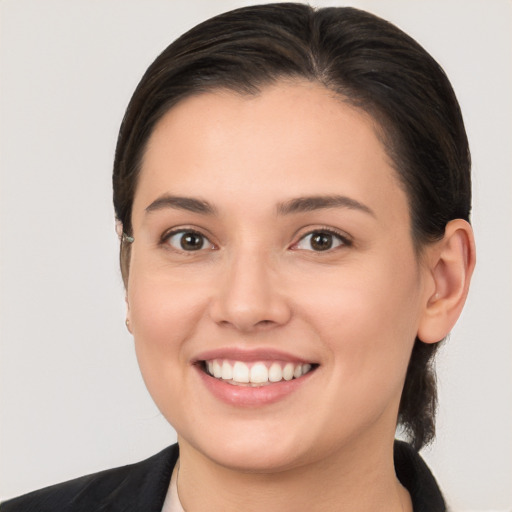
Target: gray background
72, 400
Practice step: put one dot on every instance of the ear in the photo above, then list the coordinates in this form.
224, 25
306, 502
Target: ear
451, 262
119, 229
128, 319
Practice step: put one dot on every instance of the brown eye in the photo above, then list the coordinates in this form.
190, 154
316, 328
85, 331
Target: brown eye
189, 241
320, 241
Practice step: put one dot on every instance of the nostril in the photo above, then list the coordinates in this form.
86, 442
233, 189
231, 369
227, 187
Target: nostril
244, 310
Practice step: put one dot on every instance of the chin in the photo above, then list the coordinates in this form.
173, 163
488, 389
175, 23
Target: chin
252, 452
255, 458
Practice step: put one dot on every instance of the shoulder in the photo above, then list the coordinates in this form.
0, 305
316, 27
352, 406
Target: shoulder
417, 478
140, 486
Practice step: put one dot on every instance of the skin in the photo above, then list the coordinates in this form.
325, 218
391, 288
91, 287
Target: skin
354, 310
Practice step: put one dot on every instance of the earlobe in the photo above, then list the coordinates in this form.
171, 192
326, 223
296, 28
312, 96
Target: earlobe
451, 264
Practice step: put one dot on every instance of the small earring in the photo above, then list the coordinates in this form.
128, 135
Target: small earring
127, 238
127, 323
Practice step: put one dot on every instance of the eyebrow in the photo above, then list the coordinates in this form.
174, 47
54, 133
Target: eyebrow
182, 203
310, 203
296, 205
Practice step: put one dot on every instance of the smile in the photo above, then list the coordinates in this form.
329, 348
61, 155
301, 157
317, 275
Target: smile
255, 374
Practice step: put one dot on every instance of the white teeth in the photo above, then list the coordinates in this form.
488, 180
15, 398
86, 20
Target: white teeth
275, 372
217, 369
288, 371
227, 371
240, 372
258, 373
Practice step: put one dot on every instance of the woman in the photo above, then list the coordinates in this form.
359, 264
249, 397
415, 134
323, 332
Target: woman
293, 194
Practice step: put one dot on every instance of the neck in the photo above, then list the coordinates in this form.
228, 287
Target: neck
361, 478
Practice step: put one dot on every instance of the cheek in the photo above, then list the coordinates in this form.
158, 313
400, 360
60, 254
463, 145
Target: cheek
162, 309
367, 318
364, 300
164, 316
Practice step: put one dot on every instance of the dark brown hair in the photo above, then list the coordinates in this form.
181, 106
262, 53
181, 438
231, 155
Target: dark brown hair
367, 61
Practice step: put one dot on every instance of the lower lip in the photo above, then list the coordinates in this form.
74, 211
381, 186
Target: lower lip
249, 396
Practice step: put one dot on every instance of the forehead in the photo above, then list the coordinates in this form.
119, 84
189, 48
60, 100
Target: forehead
290, 139
298, 106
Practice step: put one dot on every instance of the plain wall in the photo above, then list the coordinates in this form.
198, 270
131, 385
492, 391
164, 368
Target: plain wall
71, 396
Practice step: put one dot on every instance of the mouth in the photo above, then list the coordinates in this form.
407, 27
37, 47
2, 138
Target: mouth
255, 373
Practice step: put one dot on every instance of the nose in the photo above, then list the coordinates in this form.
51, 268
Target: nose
249, 296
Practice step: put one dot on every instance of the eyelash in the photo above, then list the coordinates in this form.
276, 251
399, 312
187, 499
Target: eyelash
165, 239
343, 240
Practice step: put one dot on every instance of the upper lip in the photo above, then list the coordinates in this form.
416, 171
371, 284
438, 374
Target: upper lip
249, 355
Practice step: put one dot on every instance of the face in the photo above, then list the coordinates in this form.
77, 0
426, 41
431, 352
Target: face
274, 292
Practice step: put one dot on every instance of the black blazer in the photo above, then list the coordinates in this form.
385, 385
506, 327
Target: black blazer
142, 487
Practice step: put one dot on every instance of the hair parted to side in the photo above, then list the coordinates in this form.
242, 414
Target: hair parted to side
369, 63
